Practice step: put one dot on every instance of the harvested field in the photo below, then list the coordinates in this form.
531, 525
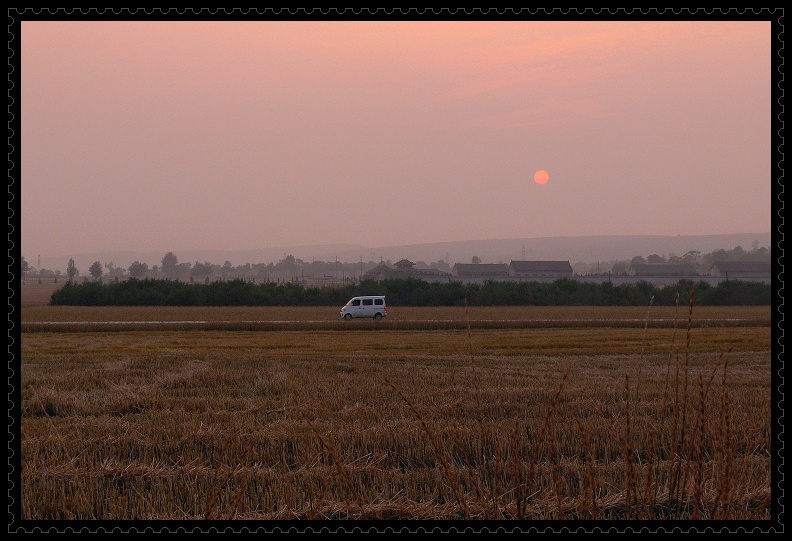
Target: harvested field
552, 423
117, 319
98, 314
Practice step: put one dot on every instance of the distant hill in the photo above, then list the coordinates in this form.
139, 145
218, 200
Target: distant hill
574, 249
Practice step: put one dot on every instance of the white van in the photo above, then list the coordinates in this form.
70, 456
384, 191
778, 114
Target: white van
366, 306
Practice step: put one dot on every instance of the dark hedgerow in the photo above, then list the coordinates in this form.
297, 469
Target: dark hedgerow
408, 292
734, 293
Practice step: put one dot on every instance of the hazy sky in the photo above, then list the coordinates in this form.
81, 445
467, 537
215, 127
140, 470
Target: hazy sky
158, 136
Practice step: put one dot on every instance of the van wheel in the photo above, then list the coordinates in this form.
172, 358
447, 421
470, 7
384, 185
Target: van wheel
347, 316
377, 316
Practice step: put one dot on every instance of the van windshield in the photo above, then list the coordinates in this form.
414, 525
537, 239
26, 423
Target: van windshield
354, 302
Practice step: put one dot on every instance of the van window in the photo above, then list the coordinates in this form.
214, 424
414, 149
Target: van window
368, 302
356, 302
378, 302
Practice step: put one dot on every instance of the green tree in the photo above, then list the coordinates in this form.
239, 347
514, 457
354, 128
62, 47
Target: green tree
637, 260
113, 271
692, 256
138, 269
620, 267
720, 255
170, 265
96, 270
201, 270
226, 269
475, 260
25, 266
71, 270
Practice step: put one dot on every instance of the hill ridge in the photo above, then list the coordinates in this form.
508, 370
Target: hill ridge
586, 249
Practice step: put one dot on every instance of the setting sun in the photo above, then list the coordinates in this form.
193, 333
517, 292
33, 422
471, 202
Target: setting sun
541, 176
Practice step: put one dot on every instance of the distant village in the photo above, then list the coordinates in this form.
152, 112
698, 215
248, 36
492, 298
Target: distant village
550, 271
718, 266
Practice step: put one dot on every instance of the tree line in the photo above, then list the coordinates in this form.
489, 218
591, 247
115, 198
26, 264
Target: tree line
695, 259
409, 292
171, 268
289, 266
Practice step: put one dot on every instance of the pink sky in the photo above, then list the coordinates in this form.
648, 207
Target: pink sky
159, 136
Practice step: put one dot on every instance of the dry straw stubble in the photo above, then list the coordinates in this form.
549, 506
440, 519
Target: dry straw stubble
184, 426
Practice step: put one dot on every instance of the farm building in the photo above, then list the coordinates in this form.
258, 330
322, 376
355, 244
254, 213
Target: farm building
402, 269
481, 270
404, 265
752, 271
540, 269
379, 272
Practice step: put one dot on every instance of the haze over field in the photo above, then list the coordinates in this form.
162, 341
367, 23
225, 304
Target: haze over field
197, 136
573, 249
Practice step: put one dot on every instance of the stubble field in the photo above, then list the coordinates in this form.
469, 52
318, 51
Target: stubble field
552, 421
